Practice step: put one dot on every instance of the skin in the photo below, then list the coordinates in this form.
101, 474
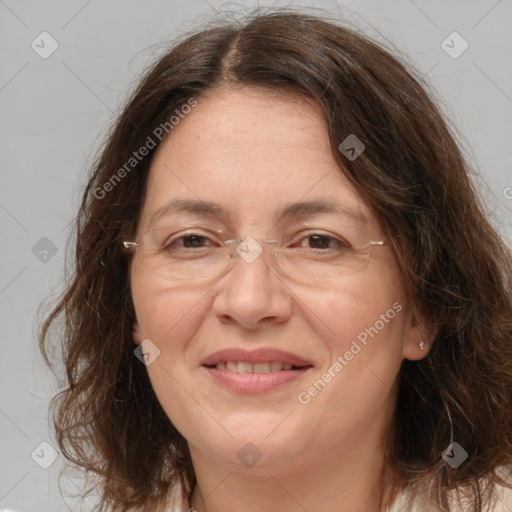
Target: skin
243, 148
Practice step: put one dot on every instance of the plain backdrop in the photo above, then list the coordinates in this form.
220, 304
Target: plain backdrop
55, 110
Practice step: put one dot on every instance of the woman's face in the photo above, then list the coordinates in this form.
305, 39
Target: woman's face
254, 153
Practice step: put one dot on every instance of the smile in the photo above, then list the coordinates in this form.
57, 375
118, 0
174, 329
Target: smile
252, 378
254, 371
247, 367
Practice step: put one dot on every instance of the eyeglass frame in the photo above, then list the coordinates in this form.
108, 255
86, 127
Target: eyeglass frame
132, 245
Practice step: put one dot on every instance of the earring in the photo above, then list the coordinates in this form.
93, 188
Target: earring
422, 345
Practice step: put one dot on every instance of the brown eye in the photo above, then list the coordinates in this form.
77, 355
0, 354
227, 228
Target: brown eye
193, 240
319, 241
323, 242
189, 241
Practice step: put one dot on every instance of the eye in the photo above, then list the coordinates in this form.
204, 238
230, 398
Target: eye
323, 242
187, 241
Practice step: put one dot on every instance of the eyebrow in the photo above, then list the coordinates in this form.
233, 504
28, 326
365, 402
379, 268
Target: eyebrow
294, 210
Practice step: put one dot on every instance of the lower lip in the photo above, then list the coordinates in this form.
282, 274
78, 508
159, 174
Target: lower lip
254, 382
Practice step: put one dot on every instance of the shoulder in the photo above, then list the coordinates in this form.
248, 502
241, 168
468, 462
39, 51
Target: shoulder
406, 503
174, 502
503, 499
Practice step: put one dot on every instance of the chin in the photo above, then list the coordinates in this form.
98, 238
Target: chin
260, 441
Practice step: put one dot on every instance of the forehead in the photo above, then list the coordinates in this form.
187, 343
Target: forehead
251, 151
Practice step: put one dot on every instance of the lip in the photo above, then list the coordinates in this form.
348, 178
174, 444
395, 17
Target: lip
250, 383
261, 355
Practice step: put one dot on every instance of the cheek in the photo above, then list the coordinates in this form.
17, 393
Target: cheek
362, 327
356, 308
167, 317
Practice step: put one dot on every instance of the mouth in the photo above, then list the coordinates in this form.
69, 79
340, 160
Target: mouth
248, 367
256, 371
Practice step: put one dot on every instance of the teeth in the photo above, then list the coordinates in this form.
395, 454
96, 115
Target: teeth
232, 366
260, 367
245, 367
276, 366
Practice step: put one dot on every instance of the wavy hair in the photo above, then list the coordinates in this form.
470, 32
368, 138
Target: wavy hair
413, 174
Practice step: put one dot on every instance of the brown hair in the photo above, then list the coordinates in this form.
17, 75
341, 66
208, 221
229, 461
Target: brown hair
108, 419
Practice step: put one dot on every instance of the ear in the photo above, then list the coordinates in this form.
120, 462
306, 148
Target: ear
418, 337
137, 338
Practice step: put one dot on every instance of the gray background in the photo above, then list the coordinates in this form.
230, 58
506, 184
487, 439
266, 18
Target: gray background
55, 111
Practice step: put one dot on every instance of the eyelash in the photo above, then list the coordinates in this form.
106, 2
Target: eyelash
344, 244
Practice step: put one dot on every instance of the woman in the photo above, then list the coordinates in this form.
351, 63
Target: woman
286, 293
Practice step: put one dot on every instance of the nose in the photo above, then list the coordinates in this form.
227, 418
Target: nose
252, 294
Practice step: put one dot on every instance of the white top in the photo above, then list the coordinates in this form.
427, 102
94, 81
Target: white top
503, 504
